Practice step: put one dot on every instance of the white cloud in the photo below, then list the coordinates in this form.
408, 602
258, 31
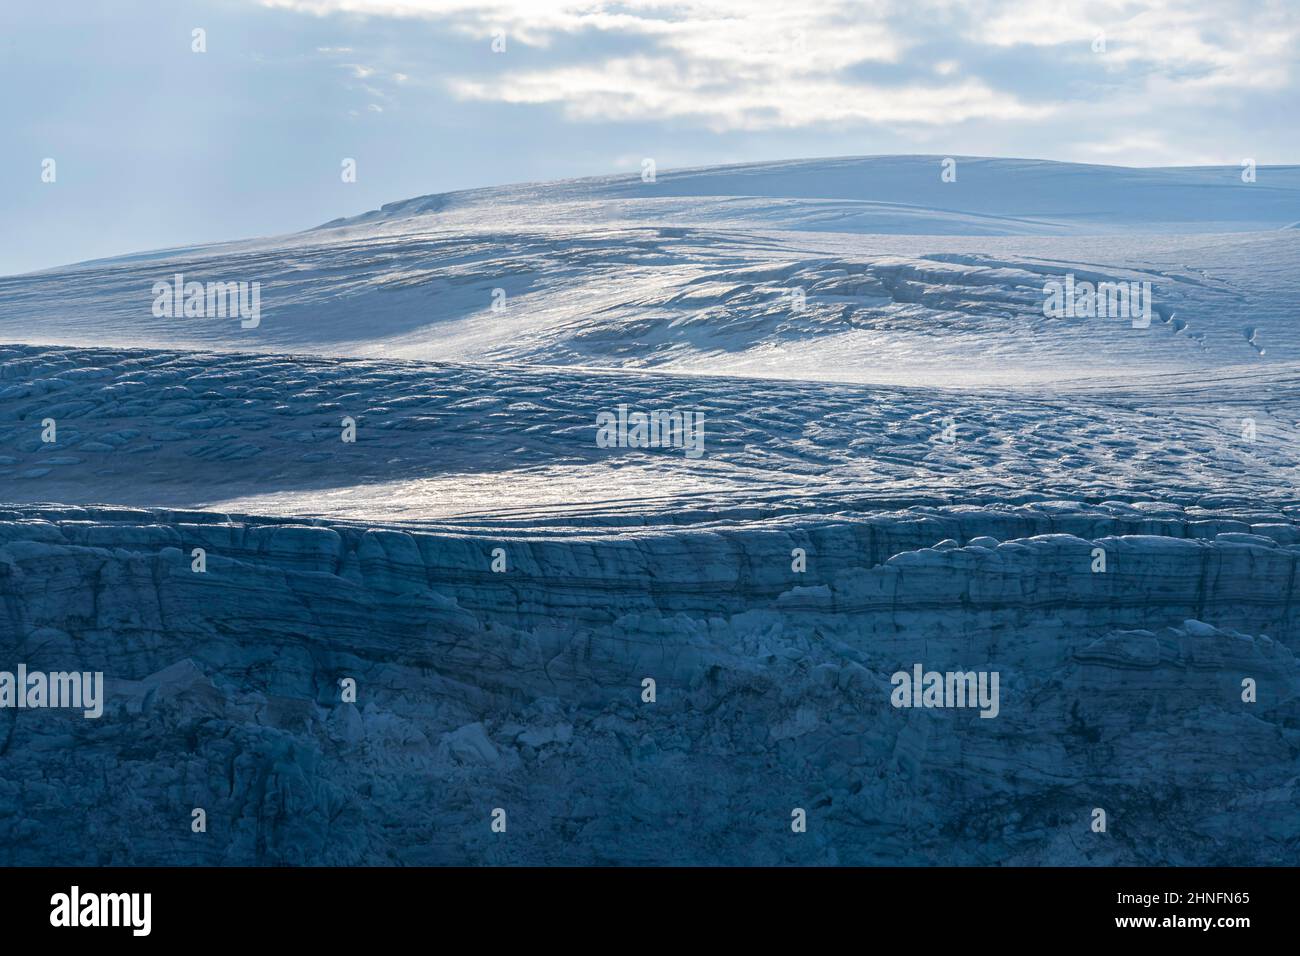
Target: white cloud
1242, 43
769, 64
636, 87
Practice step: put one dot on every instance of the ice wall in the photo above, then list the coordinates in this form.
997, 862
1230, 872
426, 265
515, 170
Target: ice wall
522, 690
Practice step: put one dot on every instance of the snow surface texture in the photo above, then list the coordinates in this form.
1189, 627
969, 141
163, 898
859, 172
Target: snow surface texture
907, 279
950, 460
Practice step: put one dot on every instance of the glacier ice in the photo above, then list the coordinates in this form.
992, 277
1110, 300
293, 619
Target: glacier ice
357, 652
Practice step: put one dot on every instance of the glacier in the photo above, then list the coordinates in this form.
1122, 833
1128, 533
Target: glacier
642, 657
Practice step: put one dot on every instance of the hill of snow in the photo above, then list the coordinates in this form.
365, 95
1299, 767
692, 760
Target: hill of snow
868, 270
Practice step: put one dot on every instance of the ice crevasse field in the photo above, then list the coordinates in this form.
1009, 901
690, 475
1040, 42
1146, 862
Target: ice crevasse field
389, 558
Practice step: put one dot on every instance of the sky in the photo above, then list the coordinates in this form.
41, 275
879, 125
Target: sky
155, 144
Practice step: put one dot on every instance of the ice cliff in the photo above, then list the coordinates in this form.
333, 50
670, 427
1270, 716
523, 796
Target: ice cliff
522, 689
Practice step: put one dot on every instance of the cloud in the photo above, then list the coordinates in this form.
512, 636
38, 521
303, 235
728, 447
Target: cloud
762, 64
1242, 43
636, 87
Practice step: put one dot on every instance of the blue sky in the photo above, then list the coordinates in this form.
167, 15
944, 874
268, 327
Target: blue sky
156, 145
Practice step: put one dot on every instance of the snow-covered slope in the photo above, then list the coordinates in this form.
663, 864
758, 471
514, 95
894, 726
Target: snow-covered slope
901, 195
264, 434
869, 270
